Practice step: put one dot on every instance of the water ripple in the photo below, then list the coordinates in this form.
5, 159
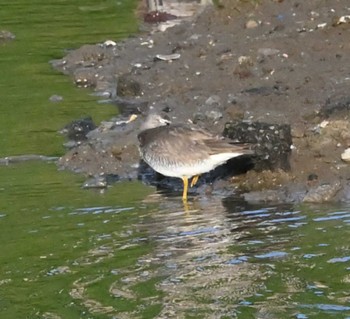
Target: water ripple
100, 210
339, 260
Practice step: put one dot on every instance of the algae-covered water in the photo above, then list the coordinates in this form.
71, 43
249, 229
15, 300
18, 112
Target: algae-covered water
45, 30
130, 252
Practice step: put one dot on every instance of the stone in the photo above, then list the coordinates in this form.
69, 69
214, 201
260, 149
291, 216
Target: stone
322, 193
268, 51
251, 24
78, 129
272, 142
213, 100
127, 86
345, 156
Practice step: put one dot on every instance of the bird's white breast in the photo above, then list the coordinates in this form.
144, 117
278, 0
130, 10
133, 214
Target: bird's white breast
193, 169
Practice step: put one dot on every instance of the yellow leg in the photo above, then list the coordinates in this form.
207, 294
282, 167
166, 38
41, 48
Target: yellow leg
194, 180
184, 194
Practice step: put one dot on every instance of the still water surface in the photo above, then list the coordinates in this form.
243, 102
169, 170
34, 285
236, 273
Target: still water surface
130, 252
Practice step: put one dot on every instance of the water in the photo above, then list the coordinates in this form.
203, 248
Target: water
44, 31
130, 252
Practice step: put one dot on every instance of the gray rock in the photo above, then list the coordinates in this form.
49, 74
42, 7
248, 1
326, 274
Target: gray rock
213, 115
213, 100
322, 193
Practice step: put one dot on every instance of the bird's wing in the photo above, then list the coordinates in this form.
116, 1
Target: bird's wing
217, 146
181, 143
202, 141
185, 145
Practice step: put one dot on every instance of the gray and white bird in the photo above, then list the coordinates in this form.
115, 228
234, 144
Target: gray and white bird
184, 152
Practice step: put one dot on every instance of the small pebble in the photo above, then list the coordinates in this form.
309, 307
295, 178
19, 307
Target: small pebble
109, 43
168, 57
251, 24
345, 156
245, 60
268, 51
344, 19
321, 25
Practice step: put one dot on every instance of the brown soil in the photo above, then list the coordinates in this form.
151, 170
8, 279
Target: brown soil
280, 62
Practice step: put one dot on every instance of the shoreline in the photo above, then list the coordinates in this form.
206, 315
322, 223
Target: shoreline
276, 63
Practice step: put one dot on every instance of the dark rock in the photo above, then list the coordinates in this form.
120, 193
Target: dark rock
127, 86
312, 177
336, 104
272, 142
167, 109
78, 129
158, 16
312, 180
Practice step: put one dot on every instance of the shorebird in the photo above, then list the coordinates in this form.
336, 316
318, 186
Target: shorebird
182, 151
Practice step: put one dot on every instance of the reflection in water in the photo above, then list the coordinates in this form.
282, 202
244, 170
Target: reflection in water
219, 258
207, 256
225, 258
193, 250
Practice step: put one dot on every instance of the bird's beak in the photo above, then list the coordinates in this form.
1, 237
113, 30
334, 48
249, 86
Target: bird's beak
132, 118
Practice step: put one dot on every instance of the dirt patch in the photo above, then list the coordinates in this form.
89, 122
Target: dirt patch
278, 62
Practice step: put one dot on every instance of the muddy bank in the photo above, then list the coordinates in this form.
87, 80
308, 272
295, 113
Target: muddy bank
280, 63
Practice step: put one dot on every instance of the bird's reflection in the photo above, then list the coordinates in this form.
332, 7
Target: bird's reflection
204, 248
